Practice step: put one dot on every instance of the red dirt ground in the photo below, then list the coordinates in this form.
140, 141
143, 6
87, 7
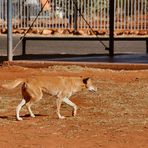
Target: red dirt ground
116, 116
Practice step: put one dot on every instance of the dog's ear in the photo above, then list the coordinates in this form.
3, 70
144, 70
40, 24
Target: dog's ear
85, 80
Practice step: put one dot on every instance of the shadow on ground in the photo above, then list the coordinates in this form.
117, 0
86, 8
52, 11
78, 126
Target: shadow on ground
118, 58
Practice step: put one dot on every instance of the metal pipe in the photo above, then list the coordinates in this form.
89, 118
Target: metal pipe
111, 30
9, 27
75, 16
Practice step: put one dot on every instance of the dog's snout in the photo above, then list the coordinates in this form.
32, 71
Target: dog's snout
92, 89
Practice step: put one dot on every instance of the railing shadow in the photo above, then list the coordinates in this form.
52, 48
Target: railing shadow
118, 58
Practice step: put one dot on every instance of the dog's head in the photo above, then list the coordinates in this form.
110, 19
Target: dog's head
89, 85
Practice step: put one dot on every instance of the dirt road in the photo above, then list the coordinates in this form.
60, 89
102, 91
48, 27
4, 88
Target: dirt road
116, 116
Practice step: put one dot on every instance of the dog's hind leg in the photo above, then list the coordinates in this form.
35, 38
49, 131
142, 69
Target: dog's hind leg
29, 104
67, 101
19, 107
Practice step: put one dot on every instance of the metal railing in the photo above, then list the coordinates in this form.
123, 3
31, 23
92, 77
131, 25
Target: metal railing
129, 14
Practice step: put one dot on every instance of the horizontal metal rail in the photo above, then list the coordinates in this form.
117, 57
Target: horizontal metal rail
81, 38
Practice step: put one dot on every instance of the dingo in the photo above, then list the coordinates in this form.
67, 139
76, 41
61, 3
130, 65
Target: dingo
61, 87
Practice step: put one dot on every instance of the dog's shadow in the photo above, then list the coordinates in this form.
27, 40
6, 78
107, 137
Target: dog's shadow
36, 115
8, 118
25, 117
4, 117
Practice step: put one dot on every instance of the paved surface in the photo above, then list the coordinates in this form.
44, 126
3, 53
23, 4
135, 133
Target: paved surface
92, 51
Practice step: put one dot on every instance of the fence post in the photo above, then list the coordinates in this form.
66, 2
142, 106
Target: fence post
111, 30
9, 28
75, 16
146, 46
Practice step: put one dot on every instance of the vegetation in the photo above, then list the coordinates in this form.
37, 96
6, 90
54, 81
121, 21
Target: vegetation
98, 6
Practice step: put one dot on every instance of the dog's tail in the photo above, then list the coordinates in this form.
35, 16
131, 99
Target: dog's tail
13, 84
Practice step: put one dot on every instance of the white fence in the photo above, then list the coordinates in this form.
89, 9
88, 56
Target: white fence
129, 14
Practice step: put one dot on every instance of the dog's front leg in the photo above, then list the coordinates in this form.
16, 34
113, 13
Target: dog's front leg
59, 102
67, 101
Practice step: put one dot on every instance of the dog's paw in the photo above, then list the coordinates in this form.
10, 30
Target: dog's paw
61, 117
19, 119
74, 112
32, 115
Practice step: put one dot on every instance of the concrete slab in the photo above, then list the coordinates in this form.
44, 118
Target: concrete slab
94, 64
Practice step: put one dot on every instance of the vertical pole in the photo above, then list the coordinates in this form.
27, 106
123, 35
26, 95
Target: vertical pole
24, 46
75, 16
146, 46
9, 27
111, 30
